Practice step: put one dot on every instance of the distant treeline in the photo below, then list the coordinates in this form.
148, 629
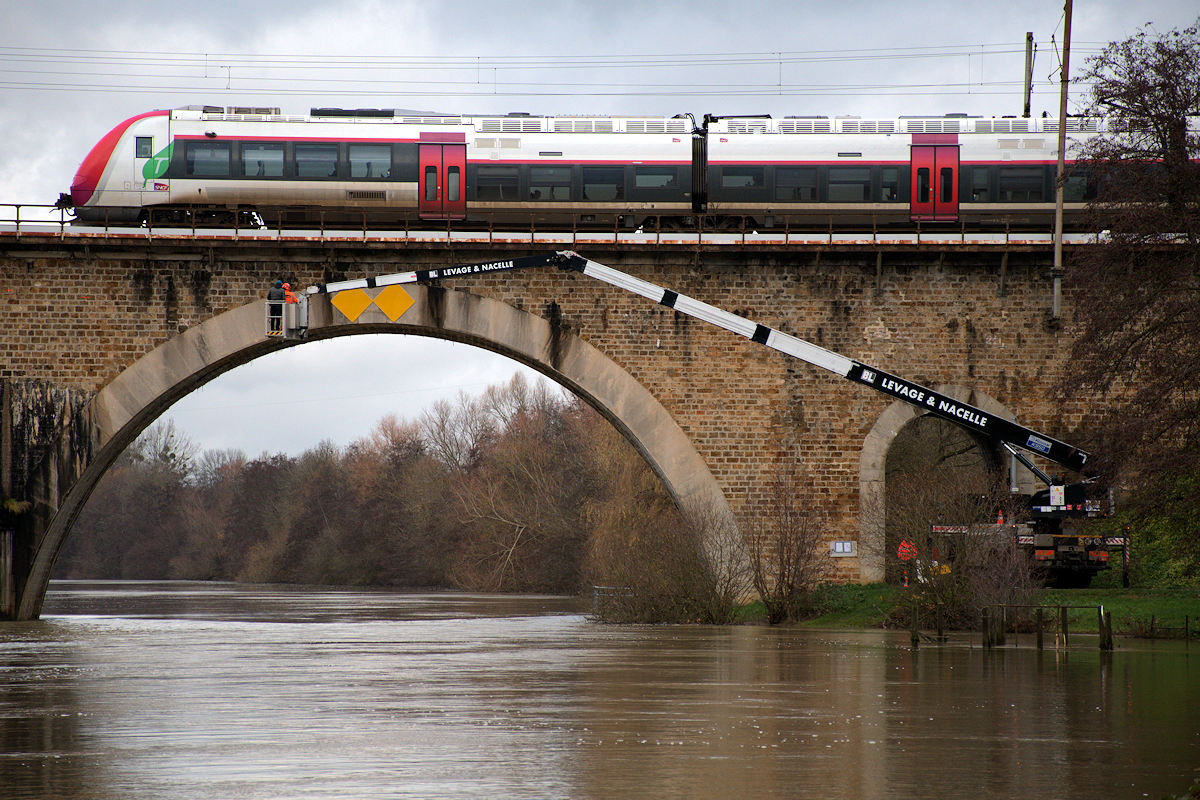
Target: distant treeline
519, 489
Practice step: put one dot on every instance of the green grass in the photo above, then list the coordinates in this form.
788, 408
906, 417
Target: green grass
853, 606
1132, 609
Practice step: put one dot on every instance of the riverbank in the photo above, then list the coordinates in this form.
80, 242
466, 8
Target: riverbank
1157, 613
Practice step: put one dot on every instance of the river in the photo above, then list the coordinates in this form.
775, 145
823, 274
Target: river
193, 690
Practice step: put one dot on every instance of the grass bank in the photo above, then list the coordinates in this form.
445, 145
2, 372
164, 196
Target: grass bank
1136, 612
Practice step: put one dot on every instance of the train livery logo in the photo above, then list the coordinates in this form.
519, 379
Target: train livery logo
156, 165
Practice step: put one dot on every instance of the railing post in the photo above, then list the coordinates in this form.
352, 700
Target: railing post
985, 624
1062, 614
1040, 641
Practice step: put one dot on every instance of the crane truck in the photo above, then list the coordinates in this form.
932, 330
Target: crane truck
1047, 533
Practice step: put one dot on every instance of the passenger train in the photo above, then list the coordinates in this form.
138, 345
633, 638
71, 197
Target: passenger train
256, 166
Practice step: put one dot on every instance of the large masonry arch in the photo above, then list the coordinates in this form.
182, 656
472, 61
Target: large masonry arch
872, 477
122, 409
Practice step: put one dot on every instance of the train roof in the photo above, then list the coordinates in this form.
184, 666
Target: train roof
520, 122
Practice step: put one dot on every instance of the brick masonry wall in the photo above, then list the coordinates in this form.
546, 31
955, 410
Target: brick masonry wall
76, 315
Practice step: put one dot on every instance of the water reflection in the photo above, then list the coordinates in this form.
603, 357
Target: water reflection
198, 691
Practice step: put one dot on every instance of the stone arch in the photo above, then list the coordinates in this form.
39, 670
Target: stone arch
139, 395
872, 463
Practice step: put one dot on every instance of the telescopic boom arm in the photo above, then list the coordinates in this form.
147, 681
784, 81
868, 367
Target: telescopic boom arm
1004, 432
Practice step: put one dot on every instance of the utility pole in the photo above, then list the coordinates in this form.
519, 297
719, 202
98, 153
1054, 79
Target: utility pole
1060, 183
1028, 70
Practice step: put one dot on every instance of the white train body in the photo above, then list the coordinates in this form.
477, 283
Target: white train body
214, 166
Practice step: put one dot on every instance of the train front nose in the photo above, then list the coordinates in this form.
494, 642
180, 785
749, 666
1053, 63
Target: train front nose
87, 178
83, 187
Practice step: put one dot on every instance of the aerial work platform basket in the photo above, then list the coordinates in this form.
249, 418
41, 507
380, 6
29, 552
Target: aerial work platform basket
286, 320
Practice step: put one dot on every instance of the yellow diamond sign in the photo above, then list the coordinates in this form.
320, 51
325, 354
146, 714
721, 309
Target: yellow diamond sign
393, 301
352, 303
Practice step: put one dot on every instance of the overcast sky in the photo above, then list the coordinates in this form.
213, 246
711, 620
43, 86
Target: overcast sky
70, 71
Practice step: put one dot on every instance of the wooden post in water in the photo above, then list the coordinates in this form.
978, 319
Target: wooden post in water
1038, 622
1002, 625
1106, 642
915, 634
1062, 614
987, 636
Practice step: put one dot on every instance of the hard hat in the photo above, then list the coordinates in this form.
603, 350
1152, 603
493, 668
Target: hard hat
287, 286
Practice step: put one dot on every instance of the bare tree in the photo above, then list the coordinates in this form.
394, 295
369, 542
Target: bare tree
456, 434
521, 500
789, 558
1136, 351
942, 503
1138, 290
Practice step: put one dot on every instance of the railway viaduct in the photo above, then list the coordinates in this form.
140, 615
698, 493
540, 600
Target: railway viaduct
101, 332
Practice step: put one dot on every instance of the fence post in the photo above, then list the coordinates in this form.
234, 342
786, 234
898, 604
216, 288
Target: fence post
915, 633
987, 638
1105, 628
1040, 642
1062, 621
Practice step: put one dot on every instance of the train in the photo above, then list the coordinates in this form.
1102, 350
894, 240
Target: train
255, 166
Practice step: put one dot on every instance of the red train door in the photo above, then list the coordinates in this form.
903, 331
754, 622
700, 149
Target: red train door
443, 171
934, 182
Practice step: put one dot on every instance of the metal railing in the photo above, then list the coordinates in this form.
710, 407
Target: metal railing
23, 219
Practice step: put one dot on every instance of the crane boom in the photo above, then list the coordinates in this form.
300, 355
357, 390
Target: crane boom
1003, 432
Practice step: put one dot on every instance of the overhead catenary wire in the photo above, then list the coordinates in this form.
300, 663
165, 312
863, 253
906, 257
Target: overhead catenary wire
64, 69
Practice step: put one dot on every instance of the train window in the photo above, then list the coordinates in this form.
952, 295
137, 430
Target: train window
207, 159
603, 183
849, 184
659, 183
654, 177
1075, 190
1021, 184
316, 160
370, 161
143, 147
262, 159
496, 183
549, 183
796, 184
947, 181
889, 184
741, 177
923, 185
431, 187
979, 185
453, 184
